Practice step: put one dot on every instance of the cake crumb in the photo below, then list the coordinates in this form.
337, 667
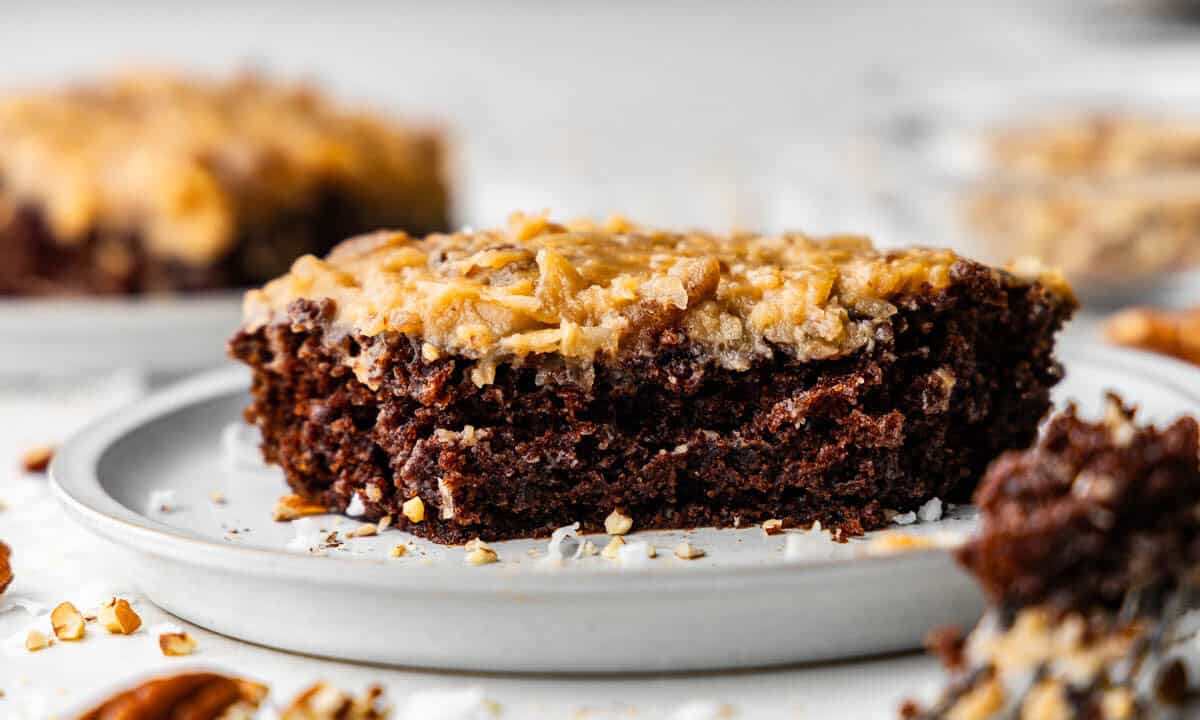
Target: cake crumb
617, 523
687, 551
480, 553
67, 622
384, 523
612, 550
413, 509
176, 644
398, 551
118, 617
37, 459
36, 640
773, 526
361, 531
586, 549
292, 507
217, 497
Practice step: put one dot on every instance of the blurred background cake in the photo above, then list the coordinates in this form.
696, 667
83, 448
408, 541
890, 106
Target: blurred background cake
158, 182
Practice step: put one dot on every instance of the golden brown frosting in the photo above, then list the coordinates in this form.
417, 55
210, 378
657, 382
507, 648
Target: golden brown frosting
181, 160
583, 291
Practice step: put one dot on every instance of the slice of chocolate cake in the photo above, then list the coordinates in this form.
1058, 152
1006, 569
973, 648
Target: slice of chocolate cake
504, 383
1090, 555
152, 182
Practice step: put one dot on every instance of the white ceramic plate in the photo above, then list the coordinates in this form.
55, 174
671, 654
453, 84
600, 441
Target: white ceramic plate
159, 335
227, 566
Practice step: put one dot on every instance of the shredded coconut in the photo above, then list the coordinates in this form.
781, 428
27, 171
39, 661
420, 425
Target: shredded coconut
907, 518
554, 551
356, 507
930, 511
814, 544
308, 535
634, 554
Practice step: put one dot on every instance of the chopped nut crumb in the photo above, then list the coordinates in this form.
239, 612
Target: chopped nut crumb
67, 622
479, 553
398, 551
617, 523
612, 550
413, 509
363, 531
687, 551
37, 459
587, 549
385, 522
176, 644
217, 497
773, 526
290, 507
429, 352
36, 640
327, 702
118, 617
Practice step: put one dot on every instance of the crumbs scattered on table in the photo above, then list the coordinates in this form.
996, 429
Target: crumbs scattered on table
617, 523
67, 622
687, 551
176, 644
37, 458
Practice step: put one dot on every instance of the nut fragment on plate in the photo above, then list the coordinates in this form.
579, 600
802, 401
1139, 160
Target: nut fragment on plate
323, 701
118, 617
217, 497
617, 523
6, 574
773, 526
196, 696
290, 507
413, 509
67, 621
1170, 332
480, 553
36, 640
612, 550
363, 531
687, 551
37, 459
176, 644
398, 551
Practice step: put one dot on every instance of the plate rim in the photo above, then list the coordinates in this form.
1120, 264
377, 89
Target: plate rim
76, 484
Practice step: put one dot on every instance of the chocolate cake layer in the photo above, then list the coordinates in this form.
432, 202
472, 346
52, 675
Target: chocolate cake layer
667, 434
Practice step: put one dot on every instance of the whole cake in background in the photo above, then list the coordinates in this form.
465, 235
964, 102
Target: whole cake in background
1111, 197
158, 182
503, 383
1090, 555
